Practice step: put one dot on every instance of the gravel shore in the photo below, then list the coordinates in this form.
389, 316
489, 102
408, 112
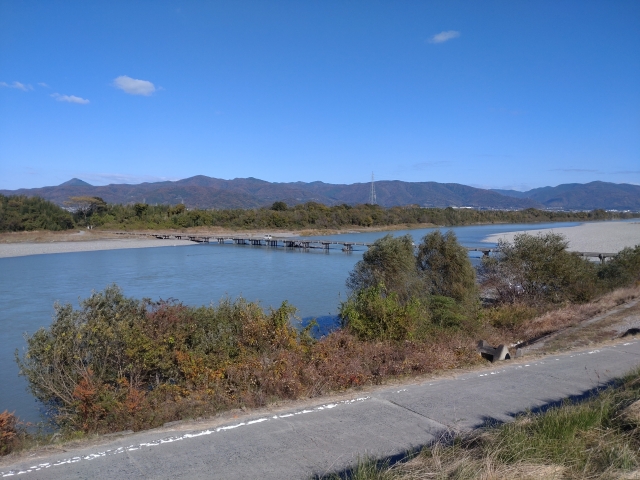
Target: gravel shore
601, 237
23, 249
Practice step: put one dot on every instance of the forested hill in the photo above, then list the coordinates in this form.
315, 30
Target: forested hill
206, 192
587, 196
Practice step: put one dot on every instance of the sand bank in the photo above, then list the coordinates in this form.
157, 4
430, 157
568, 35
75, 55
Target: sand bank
28, 248
602, 237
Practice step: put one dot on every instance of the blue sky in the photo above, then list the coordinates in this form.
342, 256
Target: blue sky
496, 94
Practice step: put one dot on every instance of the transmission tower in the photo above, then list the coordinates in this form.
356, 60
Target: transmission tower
372, 195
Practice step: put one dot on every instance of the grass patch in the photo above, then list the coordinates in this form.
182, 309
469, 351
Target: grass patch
598, 438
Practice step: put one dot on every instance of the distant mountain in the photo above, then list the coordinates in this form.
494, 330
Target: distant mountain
207, 192
75, 182
510, 193
583, 196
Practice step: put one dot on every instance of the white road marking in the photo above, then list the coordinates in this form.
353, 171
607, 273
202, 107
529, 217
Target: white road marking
171, 439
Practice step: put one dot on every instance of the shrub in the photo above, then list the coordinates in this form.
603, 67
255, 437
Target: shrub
103, 363
118, 363
446, 312
623, 269
446, 267
389, 261
436, 287
374, 314
8, 432
539, 270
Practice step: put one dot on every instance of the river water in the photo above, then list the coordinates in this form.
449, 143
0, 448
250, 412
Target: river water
313, 281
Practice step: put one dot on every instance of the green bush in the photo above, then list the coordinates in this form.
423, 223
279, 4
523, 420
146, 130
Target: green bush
623, 269
374, 314
446, 268
390, 261
446, 312
538, 270
399, 294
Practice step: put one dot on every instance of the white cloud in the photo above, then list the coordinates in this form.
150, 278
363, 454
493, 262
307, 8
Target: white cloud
134, 86
70, 98
42, 84
18, 85
444, 36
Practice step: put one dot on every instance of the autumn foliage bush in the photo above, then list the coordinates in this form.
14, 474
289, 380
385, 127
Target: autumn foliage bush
118, 363
8, 432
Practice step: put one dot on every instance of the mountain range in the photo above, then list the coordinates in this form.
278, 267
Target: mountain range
207, 192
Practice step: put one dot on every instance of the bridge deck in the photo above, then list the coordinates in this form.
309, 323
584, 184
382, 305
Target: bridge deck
305, 243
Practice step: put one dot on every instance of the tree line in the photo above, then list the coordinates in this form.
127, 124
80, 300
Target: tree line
21, 213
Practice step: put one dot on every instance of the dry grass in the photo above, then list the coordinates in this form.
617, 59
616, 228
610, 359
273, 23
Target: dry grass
573, 315
600, 329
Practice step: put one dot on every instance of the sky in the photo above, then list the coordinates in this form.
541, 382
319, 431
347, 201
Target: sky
493, 94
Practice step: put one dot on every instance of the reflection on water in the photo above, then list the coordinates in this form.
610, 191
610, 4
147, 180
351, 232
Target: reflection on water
313, 281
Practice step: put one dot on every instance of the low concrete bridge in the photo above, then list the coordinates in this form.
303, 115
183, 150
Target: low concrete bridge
305, 243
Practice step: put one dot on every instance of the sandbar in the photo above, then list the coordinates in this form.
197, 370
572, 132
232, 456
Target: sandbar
28, 248
601, 237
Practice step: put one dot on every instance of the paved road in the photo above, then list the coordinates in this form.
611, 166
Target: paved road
327, 437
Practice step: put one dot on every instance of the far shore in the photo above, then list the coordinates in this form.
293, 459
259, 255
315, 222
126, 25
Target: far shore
603, 237
19, 244
600, 237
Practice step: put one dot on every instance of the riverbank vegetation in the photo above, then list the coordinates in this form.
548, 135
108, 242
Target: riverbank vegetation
118, 363
22, 213
598, 439
313, 215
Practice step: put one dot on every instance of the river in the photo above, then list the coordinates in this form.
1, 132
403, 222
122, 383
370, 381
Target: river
313, 281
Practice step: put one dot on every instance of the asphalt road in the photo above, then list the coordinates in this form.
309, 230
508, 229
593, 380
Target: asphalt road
327, 437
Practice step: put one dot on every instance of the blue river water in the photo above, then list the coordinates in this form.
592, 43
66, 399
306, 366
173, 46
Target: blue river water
313, 281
